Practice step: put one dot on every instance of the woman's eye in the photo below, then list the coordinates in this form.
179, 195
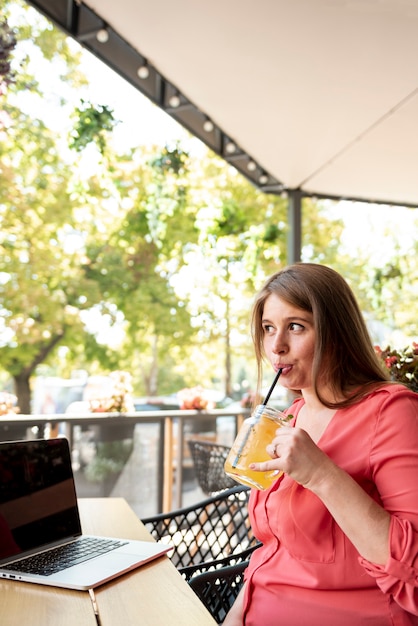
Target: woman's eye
295, 326
268, 329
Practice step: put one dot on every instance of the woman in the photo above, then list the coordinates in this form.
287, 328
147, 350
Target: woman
340, 528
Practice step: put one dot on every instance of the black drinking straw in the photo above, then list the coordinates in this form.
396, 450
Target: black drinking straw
266, 399
270, 391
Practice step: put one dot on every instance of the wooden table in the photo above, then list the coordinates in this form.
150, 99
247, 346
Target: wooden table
153, 595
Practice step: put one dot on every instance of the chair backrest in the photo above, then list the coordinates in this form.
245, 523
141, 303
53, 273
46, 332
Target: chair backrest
193, 571
208, 460
217, 584
211, 529
219, 589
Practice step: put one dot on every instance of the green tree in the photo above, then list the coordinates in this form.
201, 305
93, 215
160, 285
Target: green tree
382, 274
134, 267
69, 244
7, 44
242, 235
392, 291
43, 287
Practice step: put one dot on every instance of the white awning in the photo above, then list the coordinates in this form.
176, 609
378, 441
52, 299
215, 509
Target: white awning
321, 94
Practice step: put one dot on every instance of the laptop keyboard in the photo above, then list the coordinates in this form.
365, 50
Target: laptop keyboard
61, 558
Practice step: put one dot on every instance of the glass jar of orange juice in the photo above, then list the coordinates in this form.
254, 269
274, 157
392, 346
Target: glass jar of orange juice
250, 445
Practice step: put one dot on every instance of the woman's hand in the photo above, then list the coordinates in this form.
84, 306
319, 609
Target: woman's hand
293, 452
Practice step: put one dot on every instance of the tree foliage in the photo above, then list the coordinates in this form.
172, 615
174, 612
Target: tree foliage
133, 267
43, 285
43, 288
7, 44
92, 124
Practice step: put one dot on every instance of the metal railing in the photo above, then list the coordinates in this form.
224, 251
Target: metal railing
171, 437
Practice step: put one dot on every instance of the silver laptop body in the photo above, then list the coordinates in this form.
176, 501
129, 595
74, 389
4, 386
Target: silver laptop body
39, 515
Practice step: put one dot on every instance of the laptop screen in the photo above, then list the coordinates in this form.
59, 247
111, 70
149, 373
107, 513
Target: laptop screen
38, 503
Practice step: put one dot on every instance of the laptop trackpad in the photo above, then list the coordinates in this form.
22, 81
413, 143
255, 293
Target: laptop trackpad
103, 569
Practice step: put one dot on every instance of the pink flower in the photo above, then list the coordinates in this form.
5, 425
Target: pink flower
193, 398
402, 365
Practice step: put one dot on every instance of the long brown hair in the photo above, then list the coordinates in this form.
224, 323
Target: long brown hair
344, 355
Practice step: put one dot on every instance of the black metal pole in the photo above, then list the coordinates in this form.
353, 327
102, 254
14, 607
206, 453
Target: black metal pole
294, 216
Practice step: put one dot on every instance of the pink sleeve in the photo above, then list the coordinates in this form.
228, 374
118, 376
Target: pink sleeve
399, 577
394, 462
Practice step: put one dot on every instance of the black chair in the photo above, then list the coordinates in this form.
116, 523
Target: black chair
209, 530
218, 583
208, 460
192, 572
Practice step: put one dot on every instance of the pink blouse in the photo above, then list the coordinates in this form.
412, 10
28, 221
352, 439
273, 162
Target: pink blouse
307, 573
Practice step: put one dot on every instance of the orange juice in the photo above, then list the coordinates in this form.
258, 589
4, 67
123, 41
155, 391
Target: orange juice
250, 447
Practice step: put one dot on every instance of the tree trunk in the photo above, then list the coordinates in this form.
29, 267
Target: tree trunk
22, 391
150, 375
153, 375
22, 378
228, 373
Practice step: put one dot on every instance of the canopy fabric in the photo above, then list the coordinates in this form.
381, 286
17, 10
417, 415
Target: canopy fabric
321, 94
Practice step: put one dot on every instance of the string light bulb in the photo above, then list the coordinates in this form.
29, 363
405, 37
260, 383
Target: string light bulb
251, 166
102, 35
143, 71
208, 125
230, 147
263, 178
174, 100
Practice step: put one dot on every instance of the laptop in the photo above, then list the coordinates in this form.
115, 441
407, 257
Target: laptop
41, 540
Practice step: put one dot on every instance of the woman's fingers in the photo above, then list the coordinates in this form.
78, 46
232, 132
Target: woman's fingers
272, 451
265, 466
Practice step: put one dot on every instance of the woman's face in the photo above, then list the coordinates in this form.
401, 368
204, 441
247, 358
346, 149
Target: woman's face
289, 341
